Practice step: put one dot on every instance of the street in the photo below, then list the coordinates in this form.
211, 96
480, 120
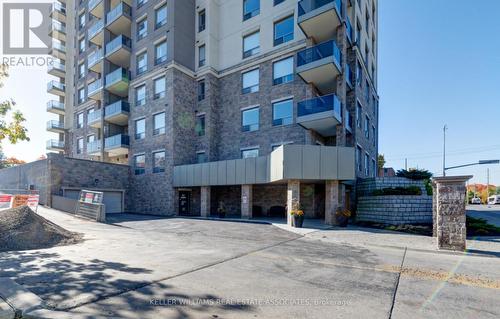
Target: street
489, 212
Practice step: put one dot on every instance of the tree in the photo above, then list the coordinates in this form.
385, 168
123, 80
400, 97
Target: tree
381, 161
2, 158
13, 130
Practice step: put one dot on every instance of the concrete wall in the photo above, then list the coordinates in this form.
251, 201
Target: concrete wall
22, 176
365, 187
64, 204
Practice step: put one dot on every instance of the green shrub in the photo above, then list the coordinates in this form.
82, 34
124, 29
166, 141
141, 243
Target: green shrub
428, 187
414, 174
388, 191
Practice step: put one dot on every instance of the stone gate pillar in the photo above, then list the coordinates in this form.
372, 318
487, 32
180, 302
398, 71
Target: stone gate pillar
205, 201
434, 209
292, 195
450, 212
246, 201
334, 198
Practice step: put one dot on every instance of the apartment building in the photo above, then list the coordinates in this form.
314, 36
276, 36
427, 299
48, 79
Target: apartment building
247, 104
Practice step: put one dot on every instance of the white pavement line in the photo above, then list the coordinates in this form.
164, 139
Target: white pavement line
20, 299
6, 312
397, 285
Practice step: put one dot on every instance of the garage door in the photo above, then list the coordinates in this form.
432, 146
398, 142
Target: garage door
112, 200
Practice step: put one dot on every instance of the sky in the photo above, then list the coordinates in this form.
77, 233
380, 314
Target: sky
439, 63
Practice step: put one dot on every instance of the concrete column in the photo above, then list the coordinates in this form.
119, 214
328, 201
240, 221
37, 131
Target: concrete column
246, 201
450, 215
205, 201
334, 198
292, 195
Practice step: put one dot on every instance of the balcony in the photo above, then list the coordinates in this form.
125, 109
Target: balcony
320, 65
118, 51
58, 50
94, 119
117, 145
96, 8
55, 145
56, 88
57, 30
57, 68
117, 82
95, 91
94, 148
96, 33
321, 114
117, 113
55, 126
95, 61
319, 19
58, 11
119, 19
55, 107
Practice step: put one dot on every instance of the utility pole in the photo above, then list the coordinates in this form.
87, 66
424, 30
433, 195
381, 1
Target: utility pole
445, 127
488, 182
406, 164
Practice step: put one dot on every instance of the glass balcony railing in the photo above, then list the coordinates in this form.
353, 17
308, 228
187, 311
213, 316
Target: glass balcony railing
320, 104
306, 6
96, 28
318, 52
55, 105
117, 75
93, 117
94, 146
57, 65
93, 4
57, 26
58, 6
349, 29
58, 45
55, 144
55, 85
117, 141
118, 42
94, 58
95, 86
55, 125
116, 108
348, 75
121, 9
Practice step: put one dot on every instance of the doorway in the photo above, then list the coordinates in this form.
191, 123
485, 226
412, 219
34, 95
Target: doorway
184, 203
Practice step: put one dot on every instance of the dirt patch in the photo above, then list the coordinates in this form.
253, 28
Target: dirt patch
23, 229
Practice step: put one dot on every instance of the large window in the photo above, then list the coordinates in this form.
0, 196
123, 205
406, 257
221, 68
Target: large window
283, 30
201, 20
142, 63
81, 21
250, 152
161, 16
90, 139
283, 71
374, 135
142, 28
140, 3
81, 71
201, 56
250, 120
359, 74
79, 146
367, 165
79, 120
200, 125
250, 81
139, 164
201, 90
159, 162
283, 112
140, 95
251, 44
358, 158
251, 8
159, 123
81, 95
359, 113
140, 129
367, 127
161, 52
160, 88
81, 45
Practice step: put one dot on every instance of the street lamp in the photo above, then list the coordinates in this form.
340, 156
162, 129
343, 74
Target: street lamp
482, 162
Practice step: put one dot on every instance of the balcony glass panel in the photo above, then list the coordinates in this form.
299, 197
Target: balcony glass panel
94, 57
95, 86
58, 45
55, 124
318, 52
117, 75
94, 146
117, 42
320, 104
116, 108
55, 85
306, 6
58, 6
96, 28
94, 116
120, 9
117, 141
55, 105
93, 4
349, 29
55, 144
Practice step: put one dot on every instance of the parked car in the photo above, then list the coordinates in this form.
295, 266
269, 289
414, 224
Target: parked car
494, 200
475, 201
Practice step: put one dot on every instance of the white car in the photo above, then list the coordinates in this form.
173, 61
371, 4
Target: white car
494, 200
476, 201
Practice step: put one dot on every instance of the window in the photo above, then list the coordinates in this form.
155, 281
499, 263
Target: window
139, 164
283, 71
159, 162
90, 139
201, 20
251, 8
250, 152
367, 165
81, 21
358, 158
276, 2
161, 52
283, 31
359, 112
359, 73
200, 125
140, 129
140, 3
201, 56
142, 63
81, 95
79, 120
201, 90
142, 28
374, 168
201, 157
367, 56
81, 45
251, 44
250, 120
367, 127
161, 16
283, 112
81, 71
374, 135
79, 146
140, 95
159, 88
367, 92
159, 124
250, 81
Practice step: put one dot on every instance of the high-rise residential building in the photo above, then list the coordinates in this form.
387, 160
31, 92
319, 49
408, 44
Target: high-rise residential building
249, 105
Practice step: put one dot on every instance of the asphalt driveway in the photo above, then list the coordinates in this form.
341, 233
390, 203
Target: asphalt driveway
148, 267
489, 212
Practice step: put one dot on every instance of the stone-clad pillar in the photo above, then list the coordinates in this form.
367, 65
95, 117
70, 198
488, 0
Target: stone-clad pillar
205, 201
246, 201
450, 213
434, 209
292, 195
334, 198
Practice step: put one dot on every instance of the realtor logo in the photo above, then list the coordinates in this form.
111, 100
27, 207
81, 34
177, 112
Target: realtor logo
26, 28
